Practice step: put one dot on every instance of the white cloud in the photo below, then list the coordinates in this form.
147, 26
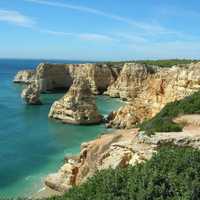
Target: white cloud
82, 36
94, 36
151, 28
15, 17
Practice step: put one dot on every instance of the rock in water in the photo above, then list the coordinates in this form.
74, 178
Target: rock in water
24, 76
31, 94
78, 106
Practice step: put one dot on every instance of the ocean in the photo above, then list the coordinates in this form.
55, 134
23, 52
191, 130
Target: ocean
31, 145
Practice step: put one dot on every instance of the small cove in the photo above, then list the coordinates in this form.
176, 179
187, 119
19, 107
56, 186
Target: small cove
31, 145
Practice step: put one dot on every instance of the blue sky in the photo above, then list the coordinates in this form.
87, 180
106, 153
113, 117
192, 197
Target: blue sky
100, 30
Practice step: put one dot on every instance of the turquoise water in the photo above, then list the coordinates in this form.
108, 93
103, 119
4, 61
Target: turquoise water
31, 145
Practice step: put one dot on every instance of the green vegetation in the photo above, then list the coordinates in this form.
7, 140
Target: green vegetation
166, 63
160, 63
173, 173
162, 122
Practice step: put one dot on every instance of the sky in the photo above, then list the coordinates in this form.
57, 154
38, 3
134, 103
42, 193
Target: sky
100, 29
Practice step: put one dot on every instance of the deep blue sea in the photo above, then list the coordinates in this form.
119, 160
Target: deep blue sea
31, 145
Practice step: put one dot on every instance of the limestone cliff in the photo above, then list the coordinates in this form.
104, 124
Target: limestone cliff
130, 81
99, 76
164, 86
120, 149
24, 76
53, 77
78, 106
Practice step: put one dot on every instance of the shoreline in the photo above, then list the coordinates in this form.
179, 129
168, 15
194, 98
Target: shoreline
45, 192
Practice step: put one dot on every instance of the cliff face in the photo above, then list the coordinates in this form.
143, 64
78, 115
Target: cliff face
99, 76
164, 86
78, 106
120, 149
24, 76
53, 77
130, 81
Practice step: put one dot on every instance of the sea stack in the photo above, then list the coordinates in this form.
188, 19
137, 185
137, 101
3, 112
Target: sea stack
31, 94
78, 106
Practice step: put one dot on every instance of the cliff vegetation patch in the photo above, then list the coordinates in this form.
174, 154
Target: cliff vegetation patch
172, 173
163, 121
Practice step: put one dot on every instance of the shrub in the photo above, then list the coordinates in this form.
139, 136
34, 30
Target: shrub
162, 122
173, 173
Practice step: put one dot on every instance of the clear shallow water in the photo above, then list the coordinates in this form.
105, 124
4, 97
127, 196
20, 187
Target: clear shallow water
31, 145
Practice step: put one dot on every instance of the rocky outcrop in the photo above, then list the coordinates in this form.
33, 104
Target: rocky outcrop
31, 94
164, 86
111, 150
53, 77
78, 106
128, 116
24, 76
119, 149
99, 76
130, 81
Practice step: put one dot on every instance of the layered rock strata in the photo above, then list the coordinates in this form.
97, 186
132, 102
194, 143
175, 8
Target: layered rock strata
120, 149
24, 76
78, 106
52, 77
164, 86
99, 76
130, 81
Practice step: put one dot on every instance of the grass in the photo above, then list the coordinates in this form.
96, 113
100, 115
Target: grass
160, 63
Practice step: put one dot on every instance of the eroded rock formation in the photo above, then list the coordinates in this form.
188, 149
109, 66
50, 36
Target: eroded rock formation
24, 76
78, 106
164, 86
99, 76
129, 82
119, 149
53, 77
31, 94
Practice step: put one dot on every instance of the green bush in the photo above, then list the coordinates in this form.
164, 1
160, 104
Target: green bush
173, 173
162, 122
160, 63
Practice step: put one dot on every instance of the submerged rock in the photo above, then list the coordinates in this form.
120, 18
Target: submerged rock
31, 94
78, 106
24, 76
